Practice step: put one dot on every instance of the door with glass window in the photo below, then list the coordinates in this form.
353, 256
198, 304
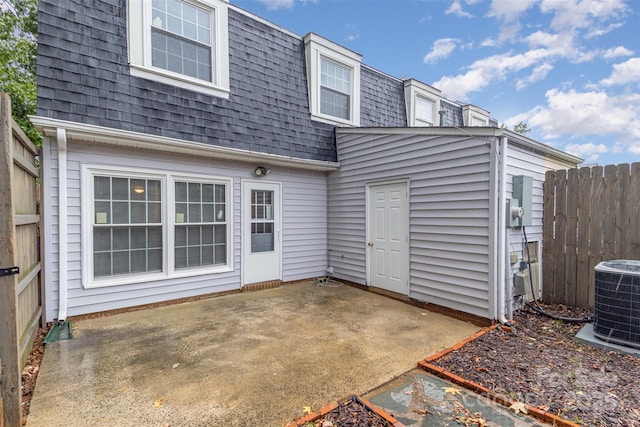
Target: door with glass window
261, 232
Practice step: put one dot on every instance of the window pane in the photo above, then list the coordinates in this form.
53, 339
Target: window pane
181, 191
220, 234
138, 261
154, 237
154, 260
194, 212
102, 264
207, 255
155, 214
120, 188
334, 104
138, 213
138, 189
220, 193
120, 238
208, 213
181, 236
181, 258
207, 192
220, 254
102, 188
121, 262
138, 238
120, 212
424, 111
194, 192
193, 236
193, 256
101, 239
103, 213
207, 235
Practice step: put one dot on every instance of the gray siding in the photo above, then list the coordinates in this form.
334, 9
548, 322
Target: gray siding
304, 245
521, 161
83, 76
450, 187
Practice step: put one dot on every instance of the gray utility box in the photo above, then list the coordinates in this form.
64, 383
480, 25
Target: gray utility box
523, 191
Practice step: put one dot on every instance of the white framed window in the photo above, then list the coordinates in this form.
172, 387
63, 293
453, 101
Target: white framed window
422, 103
184, 43
140, 226
425, 111
333, 78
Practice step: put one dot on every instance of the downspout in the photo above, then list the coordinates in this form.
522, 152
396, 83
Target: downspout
61, 137
502, 231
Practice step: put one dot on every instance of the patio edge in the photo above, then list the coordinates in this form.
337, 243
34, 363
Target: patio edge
533, 411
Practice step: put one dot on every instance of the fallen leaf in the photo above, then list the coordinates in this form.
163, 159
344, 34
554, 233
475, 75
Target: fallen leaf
422, 411
518, 407
306, 409
158, 402
327, 423
175, 365
123, 389
451, 390
482, 369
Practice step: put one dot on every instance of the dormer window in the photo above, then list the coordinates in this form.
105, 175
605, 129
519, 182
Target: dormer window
333, 78
181, 38
475, 116
181, 43
422, 103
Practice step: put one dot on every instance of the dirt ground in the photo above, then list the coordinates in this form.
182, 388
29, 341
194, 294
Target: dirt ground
540, 363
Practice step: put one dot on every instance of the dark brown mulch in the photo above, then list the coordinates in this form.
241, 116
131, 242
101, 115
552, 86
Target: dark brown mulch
352, 413
30, 372
540, 363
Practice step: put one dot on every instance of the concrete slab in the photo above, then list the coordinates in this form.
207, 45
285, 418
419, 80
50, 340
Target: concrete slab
235, 360
586, 336
417, 398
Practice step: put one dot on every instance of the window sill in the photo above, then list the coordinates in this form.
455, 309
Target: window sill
174, 79
333, 120
133, 279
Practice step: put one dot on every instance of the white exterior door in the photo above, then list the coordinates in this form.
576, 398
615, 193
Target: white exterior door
262, 249
388, 237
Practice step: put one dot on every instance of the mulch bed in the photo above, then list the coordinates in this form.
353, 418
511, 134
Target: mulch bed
30, 372
540, 363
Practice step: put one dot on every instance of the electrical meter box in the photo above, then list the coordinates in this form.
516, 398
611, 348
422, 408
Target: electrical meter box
523, 191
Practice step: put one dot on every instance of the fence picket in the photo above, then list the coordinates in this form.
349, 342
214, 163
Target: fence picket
549, 189
570, 282
582, 249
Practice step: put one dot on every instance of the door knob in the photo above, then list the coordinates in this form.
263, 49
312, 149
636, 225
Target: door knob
370, 243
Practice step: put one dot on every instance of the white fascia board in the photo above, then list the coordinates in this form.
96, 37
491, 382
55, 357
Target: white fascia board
110, 136
479, 132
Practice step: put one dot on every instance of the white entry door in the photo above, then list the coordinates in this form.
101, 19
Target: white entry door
261, 231
388, 237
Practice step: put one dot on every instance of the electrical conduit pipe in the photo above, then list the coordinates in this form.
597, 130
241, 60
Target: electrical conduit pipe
502, 231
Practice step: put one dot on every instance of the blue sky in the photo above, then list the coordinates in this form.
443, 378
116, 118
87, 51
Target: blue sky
570, 69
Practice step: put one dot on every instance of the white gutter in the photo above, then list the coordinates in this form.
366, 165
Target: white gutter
61, 139
502, 230
122, 138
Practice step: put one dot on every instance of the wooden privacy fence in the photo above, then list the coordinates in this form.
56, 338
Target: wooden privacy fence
20, 294
591, 214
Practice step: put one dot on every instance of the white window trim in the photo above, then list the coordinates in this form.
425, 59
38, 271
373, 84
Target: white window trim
168, 226
139, 43
316, 49
414, 89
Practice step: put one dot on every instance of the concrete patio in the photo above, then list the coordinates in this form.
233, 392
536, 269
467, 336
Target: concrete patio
237, 360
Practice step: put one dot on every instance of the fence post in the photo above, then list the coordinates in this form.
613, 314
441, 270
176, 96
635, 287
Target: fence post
10, 349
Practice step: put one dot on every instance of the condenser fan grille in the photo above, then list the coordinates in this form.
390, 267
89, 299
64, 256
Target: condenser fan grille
617, 302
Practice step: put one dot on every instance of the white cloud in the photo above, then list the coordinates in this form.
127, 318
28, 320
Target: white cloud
352, 37
509, 10
539, 73
277, 4
581, 13
596, 31
588, 151
489, 42
624, 73
489, 70
441, 48
616, 52
572, 114
456, 9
